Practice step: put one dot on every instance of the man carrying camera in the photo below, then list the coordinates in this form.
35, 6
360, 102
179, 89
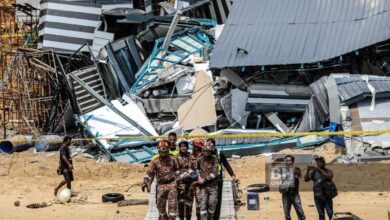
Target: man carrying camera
323, 195
289, 187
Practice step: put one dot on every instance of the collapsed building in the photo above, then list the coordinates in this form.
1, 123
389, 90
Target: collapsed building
248, 72
331, 54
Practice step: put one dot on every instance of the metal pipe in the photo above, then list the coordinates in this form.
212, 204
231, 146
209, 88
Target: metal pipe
171, 30
16, 144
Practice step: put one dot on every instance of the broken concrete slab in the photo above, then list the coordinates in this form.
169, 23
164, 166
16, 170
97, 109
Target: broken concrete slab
199, 111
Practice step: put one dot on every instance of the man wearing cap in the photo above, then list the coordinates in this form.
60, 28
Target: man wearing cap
222, 162
164, 168
185, 192
197, 146
207, 167
318, 175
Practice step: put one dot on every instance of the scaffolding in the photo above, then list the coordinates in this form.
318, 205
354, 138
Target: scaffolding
28, 86
31, 93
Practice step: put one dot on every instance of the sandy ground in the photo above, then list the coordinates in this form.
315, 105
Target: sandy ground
32, 177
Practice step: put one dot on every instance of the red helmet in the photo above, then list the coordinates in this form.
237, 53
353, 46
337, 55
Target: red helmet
163, 146
198, 143
163, 143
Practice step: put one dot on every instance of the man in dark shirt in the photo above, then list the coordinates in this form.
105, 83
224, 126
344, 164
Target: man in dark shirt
318, 175
66, 165
290, 188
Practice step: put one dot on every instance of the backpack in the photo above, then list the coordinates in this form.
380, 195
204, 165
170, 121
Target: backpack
330, 189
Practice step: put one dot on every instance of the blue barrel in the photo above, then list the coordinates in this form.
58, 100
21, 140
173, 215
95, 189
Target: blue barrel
253, 201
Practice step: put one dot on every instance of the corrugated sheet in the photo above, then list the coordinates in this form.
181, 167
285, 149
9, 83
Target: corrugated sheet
313, 117
321, 95
354, 88
275, 32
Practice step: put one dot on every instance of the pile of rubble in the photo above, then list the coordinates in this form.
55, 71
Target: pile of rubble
211, 67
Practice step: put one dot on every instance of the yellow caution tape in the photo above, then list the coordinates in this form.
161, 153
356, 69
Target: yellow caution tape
187, 136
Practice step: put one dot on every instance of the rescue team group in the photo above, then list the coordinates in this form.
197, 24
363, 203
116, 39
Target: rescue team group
183, 177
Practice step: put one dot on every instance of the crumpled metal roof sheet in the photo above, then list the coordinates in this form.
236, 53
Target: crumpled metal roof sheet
277, 32
354, 88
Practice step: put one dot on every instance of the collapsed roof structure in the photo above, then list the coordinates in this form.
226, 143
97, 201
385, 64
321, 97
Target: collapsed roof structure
286, 44
265, 32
